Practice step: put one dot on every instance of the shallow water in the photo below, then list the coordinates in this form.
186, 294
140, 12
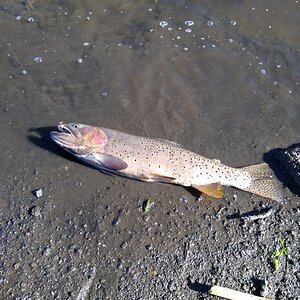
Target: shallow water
222, 79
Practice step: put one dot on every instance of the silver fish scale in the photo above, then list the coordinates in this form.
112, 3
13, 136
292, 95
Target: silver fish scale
161, 160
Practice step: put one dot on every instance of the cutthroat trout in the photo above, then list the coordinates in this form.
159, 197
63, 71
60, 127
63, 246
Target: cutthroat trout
158, 160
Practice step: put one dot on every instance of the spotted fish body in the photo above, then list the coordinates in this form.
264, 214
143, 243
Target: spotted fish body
158, 160
161, 160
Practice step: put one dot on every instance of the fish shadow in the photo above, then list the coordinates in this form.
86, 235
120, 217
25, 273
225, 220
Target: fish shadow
40, 137
201, 288
272, 159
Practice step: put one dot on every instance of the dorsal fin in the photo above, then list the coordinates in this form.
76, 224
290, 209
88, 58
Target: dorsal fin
170, 142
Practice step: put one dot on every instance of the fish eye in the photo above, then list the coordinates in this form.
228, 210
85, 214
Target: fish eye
75, 125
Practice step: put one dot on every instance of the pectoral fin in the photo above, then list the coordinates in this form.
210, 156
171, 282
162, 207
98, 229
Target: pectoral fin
212, 189
110, 161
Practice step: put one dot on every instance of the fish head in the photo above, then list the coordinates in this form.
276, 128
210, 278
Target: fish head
79, 139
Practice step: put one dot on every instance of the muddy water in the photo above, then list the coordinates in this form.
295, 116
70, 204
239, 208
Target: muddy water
220, 78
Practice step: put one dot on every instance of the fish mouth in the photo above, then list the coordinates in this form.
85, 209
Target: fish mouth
67, 129
66, 136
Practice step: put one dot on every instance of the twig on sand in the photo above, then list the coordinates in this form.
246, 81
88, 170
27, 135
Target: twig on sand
186, 249
230, 294
84, 291
259, 216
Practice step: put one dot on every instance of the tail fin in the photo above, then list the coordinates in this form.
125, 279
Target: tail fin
262, 182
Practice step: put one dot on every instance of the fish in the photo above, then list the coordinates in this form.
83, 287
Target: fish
160, 160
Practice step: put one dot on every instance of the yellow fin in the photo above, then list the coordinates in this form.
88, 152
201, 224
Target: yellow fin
212, 189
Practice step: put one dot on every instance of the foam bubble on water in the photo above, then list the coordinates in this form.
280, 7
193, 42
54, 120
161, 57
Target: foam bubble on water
80, 60
210, 23
188, 30
189, 23
85, 44
233, 22
24, 72
278, 66
263, 71
185, 48
230, 40
163, 24
18, 17
30, 19
38, 59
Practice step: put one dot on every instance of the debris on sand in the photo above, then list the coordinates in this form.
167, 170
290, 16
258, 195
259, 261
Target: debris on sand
38, 193
84, 291
276, 254
232, 294
253, 215
260, 215
146, 206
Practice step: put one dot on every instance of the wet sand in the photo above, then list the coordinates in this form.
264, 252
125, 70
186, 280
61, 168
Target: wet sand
220, 79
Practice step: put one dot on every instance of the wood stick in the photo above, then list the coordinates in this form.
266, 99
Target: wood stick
232, 294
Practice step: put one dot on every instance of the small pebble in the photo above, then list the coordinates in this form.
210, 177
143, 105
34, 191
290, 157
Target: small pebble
38, 59
35, 211
38, 193
183, 199
30, 19
124, 245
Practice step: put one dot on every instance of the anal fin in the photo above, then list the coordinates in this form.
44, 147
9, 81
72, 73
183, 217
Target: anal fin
162, 178
212, 189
